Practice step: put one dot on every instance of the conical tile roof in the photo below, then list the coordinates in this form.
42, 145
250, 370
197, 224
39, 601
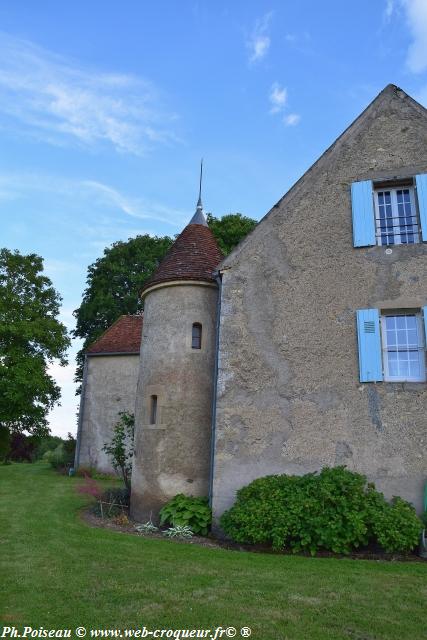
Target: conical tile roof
194, 255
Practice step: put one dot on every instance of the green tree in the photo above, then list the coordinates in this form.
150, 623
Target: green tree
114, 284
230, 229
31, 337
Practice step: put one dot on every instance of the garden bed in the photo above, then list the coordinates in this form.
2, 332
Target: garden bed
372, 552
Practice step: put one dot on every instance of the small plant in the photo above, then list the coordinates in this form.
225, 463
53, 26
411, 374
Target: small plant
179, 531
185, 510
120, 449
121, 519
146, 527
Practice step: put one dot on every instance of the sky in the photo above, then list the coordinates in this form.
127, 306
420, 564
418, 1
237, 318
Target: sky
106, 108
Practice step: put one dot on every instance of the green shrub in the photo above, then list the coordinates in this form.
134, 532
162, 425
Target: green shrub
62, 457
55, 457
397, 527
187, 511
336, 510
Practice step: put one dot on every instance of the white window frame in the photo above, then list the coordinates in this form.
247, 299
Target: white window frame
421, 346
394, 206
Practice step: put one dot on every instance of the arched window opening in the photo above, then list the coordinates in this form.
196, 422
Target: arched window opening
153, 409
196, 341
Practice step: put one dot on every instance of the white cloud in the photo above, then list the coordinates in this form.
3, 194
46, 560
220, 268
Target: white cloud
389, 9
61, 102
259, 41
416, 15
292, 119
278, 98
14, 186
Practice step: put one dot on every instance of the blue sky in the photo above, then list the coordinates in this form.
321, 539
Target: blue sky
106, 108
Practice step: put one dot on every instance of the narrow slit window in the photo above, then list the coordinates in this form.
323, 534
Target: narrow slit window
196, 336
153, 409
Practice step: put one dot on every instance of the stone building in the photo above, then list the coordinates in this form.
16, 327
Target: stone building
305, 347
109, 387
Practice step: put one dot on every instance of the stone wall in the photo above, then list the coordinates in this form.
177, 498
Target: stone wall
289, 397
173, 455
110, 388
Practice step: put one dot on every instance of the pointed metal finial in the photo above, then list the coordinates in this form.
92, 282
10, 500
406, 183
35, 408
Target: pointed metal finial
199, 216
200, 183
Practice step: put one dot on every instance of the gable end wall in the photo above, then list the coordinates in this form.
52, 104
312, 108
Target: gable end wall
289, 398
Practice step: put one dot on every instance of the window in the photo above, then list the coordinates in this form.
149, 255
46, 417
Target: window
403, 347
396, 219
196, 336
389, 212
153, 409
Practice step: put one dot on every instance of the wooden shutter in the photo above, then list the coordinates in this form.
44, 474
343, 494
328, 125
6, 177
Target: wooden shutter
362, 206
421, 182
369, 340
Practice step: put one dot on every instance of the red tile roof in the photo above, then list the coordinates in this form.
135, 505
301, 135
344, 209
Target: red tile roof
194, 255
124, 336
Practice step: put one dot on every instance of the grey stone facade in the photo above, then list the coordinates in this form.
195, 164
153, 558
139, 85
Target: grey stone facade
289, 398
173, 455
110, 387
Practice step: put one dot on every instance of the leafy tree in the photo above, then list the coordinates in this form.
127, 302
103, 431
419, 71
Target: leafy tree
120, 449
230, 229
114, 284
31, 337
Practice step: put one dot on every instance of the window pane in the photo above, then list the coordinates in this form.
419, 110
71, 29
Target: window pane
403, 366
411, 322
400, 322
390, 322
401, 338
196, 336
412, 339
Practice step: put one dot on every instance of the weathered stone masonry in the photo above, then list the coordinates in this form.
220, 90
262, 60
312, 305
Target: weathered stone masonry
289, 397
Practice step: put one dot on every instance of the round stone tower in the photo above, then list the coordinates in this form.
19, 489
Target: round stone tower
175, 388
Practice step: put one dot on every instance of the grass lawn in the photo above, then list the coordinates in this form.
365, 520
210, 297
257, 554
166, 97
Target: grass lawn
57, 572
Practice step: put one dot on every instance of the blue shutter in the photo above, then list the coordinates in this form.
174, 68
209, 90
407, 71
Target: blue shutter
362, 206
369, 339
421, 182
425, 322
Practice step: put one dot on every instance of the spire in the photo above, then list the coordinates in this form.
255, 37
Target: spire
199, 216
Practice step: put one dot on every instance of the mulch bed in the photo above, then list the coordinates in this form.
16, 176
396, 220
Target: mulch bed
372, 552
